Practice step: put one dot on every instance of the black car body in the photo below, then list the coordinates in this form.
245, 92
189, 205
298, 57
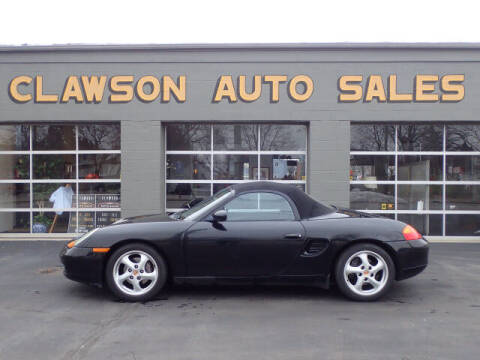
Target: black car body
211, 242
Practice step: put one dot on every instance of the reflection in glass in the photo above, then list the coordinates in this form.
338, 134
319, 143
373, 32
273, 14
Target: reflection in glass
463, 167
283, 137
414, 137
429, 225
462, 224
14, 167
188, 137
235, 167
14, 195
235, 137
53, 137
420, 167
462, 197
181, 195
54, 166
14, 222
420, 197
99, 166
218, 187
463, 137
44, 222
188, 167
372, 197
282, 167
372, 137
14, 137
58, 196
259, 207
99, 137
372, 167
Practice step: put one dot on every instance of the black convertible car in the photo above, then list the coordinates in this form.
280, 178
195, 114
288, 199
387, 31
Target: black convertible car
258, 232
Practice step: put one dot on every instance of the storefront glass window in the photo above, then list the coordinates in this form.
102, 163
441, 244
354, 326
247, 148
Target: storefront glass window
182, 137
235, 167
428, 176
372, 197
193, 167
235, 137
99, 137
463, 137
240, 153
420, 167
413, 137
40, 181
53, 137
372, 137
282, 167
14, 137
372, 167
14, 167
283, 137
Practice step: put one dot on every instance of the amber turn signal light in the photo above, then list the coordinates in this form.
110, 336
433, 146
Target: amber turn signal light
71, 244
410, 233
101, 250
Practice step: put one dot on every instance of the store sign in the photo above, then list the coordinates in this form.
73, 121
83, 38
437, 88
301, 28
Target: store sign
298, 88
426, 88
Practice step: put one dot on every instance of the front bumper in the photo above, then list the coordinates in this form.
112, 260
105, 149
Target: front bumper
83, 265
412, 257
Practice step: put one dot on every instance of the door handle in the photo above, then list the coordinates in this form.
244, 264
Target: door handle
292, 236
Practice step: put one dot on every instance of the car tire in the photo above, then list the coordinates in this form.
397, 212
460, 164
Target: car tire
135, 272
364, 272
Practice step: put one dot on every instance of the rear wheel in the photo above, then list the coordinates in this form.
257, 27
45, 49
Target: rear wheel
136, 272
364, 272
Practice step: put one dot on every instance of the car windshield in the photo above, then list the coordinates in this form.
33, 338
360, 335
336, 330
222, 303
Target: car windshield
203, 204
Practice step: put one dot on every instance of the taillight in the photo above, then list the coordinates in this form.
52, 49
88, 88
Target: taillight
410, 233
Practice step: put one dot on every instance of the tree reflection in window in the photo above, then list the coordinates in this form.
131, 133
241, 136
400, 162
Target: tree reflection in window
413, 137
188, 137
283, 137
463, 138
372, 137
99, 137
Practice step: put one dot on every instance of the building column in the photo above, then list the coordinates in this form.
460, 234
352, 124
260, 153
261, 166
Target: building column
329, 162
143, 154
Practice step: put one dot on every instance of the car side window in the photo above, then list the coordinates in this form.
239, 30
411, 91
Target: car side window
259, 206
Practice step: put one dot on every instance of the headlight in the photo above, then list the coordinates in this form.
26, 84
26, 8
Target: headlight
84, 237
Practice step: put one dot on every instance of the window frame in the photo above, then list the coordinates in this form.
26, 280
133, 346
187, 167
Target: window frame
74, 180
258, 152
396, 182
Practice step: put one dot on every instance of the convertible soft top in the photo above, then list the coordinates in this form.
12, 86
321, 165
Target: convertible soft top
306, 206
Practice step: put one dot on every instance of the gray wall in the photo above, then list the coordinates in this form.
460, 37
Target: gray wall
142, 142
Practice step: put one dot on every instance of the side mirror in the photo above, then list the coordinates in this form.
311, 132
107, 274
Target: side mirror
220, 215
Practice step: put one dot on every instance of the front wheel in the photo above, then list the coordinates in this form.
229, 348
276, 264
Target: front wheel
364, 272
135, 272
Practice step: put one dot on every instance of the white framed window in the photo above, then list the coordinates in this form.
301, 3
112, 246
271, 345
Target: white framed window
424, 174
203, 158
59, 178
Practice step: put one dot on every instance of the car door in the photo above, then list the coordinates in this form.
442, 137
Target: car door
261, 236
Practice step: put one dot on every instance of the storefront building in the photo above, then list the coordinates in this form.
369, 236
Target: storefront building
90, 134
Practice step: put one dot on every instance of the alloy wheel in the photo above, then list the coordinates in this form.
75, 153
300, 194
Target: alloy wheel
135, 272
366, 273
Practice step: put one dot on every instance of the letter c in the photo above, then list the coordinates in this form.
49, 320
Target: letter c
13, 89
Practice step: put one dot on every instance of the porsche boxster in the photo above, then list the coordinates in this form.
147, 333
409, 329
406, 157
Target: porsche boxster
259, 232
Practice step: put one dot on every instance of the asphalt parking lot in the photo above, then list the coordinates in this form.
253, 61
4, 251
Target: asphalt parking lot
435, 315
